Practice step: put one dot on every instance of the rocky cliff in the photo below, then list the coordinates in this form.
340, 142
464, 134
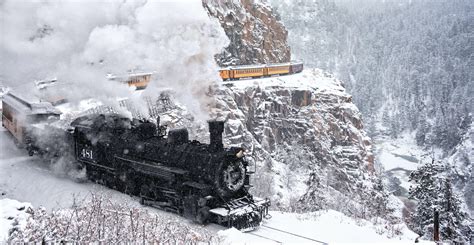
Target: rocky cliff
307, 139
256, 36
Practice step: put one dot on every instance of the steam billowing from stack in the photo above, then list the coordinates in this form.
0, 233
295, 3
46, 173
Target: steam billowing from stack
80, 42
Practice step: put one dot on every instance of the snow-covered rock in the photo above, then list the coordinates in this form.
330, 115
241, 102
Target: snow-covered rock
255, 33
13, 216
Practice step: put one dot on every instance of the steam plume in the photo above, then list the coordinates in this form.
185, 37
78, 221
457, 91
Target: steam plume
81, 41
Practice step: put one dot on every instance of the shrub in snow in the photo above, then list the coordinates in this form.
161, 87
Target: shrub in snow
101, 220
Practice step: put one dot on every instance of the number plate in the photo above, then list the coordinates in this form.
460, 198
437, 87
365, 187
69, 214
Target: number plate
86, 154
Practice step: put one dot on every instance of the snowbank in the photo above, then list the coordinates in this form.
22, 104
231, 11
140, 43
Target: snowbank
327, 226
13, 214
315, 79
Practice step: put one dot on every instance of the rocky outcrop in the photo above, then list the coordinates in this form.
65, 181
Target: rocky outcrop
307, 139
256, 36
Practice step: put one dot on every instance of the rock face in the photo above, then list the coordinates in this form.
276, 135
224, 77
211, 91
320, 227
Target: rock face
256, 36
307, 139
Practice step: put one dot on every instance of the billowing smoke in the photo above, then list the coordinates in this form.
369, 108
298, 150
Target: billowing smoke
80, 42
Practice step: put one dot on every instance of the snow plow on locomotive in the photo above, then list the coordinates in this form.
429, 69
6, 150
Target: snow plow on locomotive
203, 182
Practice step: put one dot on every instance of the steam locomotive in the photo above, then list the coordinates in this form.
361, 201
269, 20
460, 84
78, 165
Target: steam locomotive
203, 182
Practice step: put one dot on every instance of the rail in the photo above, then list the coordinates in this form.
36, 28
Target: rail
286, 232
264, 237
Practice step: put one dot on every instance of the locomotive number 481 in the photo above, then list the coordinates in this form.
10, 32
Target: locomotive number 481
87, 154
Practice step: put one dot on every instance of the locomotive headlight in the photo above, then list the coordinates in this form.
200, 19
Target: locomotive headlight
240, 154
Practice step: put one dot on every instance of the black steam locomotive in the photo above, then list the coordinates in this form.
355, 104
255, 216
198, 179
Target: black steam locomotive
203, 182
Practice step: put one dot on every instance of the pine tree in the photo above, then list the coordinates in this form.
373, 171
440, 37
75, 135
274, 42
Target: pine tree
425, 191
433, 192
454, 222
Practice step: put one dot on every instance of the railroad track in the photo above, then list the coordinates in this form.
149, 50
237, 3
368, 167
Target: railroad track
270, 233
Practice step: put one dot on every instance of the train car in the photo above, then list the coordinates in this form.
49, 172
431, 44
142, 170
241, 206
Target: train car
296, 67
254, 71
203, 182
20, 114
247, 72
277, 69
139, 81
238, 72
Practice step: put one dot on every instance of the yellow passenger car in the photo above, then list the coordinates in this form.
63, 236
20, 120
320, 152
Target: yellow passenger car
253, 71
277, 69
246, 72
238, 72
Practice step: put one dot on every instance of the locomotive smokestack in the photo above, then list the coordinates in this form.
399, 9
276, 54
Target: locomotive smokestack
216, 128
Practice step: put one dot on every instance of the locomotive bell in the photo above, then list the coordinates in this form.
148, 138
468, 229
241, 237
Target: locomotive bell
216, 128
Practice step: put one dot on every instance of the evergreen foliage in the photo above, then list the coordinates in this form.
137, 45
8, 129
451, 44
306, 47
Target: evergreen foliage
408, 64
432, 190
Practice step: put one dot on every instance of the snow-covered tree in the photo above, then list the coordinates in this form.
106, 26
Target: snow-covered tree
454, 222
425, 191
433, 191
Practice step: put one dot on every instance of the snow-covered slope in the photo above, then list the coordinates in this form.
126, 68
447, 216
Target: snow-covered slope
325, 226
26, 223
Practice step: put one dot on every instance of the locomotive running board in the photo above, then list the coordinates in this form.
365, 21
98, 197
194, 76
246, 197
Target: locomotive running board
243, 214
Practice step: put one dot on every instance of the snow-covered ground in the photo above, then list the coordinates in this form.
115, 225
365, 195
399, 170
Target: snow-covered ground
326, 226
312, 228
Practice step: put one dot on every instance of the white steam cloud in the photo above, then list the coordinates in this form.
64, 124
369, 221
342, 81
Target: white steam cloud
82, 41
